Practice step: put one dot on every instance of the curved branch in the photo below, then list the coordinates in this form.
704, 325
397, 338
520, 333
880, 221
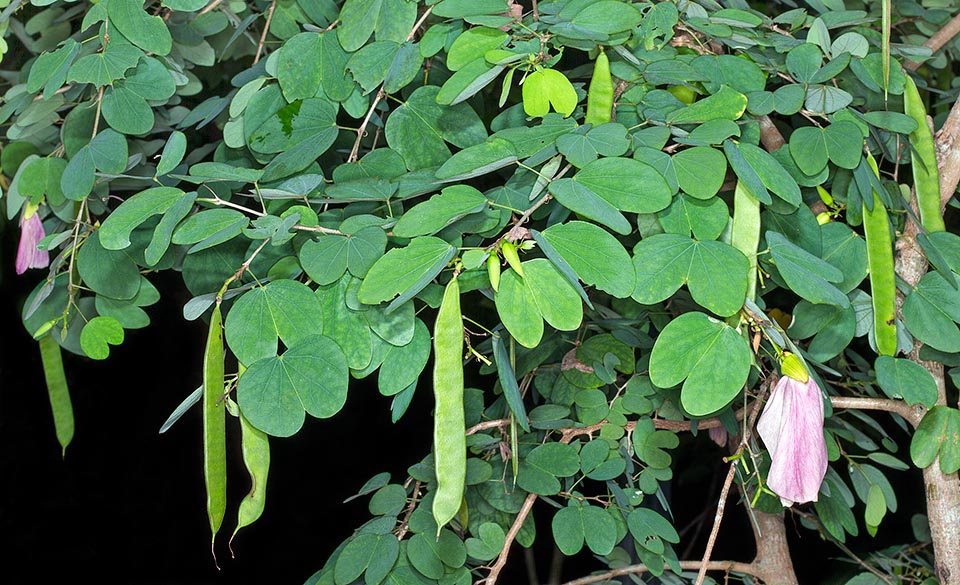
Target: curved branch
938, 40
911, 414
726, 566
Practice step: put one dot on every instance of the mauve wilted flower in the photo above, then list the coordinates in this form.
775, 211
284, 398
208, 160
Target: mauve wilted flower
718, 435
791, 427
31, 232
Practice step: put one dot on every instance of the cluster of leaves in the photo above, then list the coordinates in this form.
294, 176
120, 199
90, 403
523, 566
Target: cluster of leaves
321, 169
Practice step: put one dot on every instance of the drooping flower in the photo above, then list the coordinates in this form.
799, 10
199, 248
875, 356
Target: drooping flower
31, 232
791, 427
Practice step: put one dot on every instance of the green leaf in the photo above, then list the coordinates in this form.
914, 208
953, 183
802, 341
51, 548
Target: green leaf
595, 255
906, 380
804, 273
771, 173
700, 171
104, 68
150, 80
649, 529
345, 326
163, 233
479, 159
98, 335
405, 271
607, 17
581, 200
548, 88
726, 104
173, 152
846, 250
370, 64
937, 435
79, 176
311, 376
568, 530
402, 365
284, 309
708, 356
312, 122
706, 220
466, 82
803, 62
116, 229
420, 128
518, 310
473, 44
809, 149
429, 217
209, 228
583, 148
931, 311
627, 184
108, 152
508, 381
463, 8
844, 143
715, 273
107, 272
556, 300
150, 33
49, 71
300, 66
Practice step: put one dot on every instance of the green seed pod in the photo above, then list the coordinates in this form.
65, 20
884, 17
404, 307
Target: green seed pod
509, 251
493, 271
600, 93
449, 428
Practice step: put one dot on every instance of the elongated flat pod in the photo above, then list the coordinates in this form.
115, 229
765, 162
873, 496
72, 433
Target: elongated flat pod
57, 390
923, 156
214, 422
883, 290
449, 434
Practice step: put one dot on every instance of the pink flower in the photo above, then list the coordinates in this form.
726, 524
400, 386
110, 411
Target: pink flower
31, 232
791, 427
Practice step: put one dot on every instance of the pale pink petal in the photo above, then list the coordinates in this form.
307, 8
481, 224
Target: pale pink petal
28, 256
791, 427
718, 435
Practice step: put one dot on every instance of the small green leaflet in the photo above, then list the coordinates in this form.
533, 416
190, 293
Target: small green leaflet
150, 33
327, 258
116, 229
541, 294
405, 271
440, 210
726, 104
596, 256
805, 274
906, 380
937, 435
98, 335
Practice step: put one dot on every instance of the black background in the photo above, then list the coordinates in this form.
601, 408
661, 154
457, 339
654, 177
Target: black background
127, 504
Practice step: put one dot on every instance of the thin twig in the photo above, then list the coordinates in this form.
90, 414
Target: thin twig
726, 566
938, 40
744, 440
362, 130
266, 29
212, 6
495, 569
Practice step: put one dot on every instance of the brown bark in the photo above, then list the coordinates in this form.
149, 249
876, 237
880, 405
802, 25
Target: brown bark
773, 563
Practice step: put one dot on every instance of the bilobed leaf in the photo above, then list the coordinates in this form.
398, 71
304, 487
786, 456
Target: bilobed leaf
402, 365
473, 44
420, 128
931, 311
105, 67
173, 152
108, 152
209, 228
607, 17
370, 64
284, 309
466, 82
98, 335
715, 272
440, 210
809, 149
312, 121
402, 270
545, 89
705, 219
127, 112
115, 231
844, 143
803, 62
311, 376
711, 359
555, 298
518, 310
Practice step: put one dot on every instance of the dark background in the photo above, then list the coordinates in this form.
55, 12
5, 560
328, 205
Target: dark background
127, 504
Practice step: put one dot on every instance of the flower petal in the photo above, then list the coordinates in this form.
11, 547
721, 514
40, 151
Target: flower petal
791, 427
28, 256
